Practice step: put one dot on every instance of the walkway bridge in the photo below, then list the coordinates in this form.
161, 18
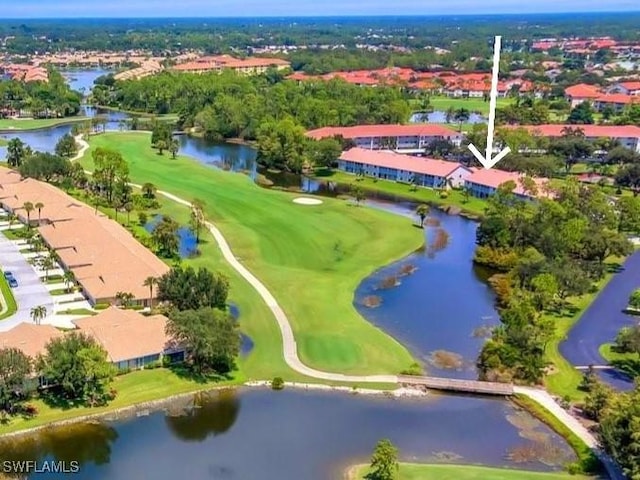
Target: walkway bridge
456, 385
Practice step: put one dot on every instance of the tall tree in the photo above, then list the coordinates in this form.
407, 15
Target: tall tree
197, 217
77, 365
28, 208
150, 282
66, 146
39, 206
210, 336
38, 314
165, 237
188, 289
110, 169
384, 462
16, 152
15, 368
422, 211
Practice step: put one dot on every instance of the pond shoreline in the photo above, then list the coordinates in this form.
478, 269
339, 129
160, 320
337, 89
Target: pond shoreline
151, 406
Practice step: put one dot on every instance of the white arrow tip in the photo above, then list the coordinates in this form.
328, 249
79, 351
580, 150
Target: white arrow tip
488, 162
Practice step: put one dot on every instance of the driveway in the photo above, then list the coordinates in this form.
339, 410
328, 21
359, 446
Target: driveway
30, 291
601, 322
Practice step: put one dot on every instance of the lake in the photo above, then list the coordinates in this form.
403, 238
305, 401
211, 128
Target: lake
443, 310
82, 80
187, 245
292, 435
440, 116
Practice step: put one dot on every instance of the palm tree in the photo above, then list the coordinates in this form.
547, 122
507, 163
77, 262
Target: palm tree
12, 219
69, 279
150, 282
174, 146
148, 190
197, 217
28, 207
47, 263
422, 211
38, 313
128, 207
461, 115
124, 298
39, 206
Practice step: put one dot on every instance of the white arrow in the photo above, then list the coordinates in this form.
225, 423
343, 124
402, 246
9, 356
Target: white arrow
486, 160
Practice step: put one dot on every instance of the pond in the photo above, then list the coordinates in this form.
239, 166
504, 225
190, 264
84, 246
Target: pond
434, 301
82, 80
294, 435
440, 116
187, 240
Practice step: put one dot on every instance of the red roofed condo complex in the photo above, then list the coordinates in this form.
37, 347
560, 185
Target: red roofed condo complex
582, 92
483, 183
401, 138
431, 173
245, 66
424, 172
627, 135
626, 88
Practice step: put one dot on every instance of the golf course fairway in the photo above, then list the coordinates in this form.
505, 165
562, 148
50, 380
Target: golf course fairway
310, 257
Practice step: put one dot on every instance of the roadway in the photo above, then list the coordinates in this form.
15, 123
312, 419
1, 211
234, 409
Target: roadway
600, 323
30, 291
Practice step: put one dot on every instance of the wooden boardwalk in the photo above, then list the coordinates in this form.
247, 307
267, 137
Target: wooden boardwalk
455, 385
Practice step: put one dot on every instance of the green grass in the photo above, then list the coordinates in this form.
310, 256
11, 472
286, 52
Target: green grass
311, 258
14, 233
626, 362
11, 125
565, 379
474, 206
78, 311
60, 291
53, 279
587, 460
8, 299
135, 387
473, 104
416, 471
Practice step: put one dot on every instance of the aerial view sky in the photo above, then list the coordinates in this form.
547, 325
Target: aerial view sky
230, 8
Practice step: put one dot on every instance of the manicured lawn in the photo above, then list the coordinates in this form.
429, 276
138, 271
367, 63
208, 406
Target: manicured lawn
135, 387
473, 104
627, 362
415, 471
78, 311
53, 279
565, 379
8, 299
14, 233
311, 258
473, 206
60, 291
7, 124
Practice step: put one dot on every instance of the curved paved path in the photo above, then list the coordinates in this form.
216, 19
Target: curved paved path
293, 361
601, 321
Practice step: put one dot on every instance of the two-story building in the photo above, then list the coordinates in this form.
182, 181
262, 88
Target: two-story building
420, 171
483, 183
627, 135
400, 138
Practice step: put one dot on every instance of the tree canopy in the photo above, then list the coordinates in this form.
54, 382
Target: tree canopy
188, 289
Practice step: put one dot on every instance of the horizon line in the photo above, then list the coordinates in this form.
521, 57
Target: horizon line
417, 15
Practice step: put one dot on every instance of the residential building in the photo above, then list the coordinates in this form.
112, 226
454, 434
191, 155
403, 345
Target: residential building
103, 256
617, 101
244, 66
424, 172
131, 340
627, 135
400, 138
483, 183
626, 88
582, 92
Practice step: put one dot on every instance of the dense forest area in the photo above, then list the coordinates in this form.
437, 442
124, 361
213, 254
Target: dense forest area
216, 35
39, 99
227, 105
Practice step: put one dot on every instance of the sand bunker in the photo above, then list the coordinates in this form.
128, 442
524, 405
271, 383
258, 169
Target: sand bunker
307, 201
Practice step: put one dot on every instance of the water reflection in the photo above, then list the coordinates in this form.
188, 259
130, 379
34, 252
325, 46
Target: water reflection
208, 414
294, 435
187, 245
442, 310
88, 444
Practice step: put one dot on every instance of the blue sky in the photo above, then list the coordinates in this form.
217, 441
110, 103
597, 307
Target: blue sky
254, 8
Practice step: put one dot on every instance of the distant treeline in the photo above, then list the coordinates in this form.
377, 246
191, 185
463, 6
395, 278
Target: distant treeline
218, 35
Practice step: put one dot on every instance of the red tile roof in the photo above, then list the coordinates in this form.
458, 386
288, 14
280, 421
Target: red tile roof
630, 85
427, 166
365, 131
494, 178
617, 98
582, 90
592, 131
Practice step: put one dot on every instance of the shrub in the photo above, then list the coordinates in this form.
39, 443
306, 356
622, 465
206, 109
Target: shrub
634, 299
414, 369
101, 306
444, 194
277, 383
142, 218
